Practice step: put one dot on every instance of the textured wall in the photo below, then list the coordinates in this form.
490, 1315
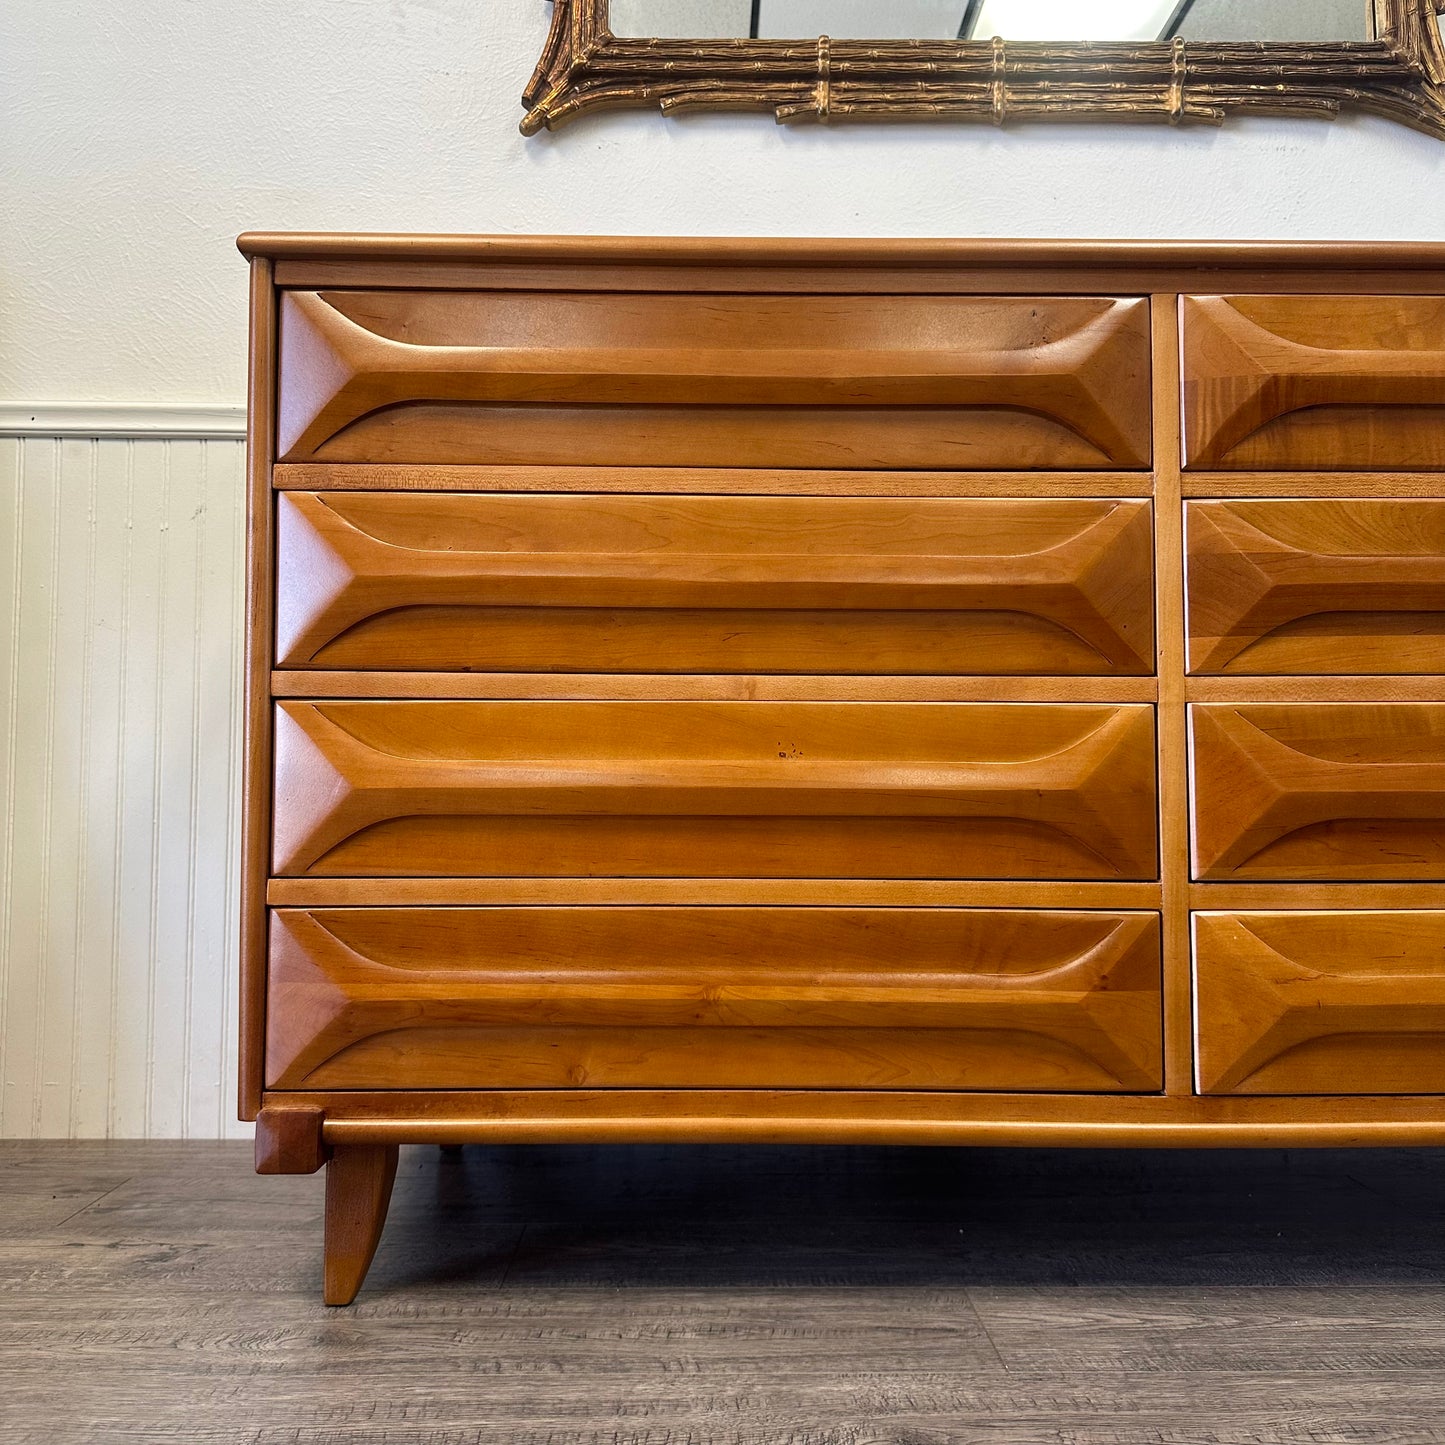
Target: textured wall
119, 664
139, 138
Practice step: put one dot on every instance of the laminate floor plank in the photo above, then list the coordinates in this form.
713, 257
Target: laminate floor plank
730, 1296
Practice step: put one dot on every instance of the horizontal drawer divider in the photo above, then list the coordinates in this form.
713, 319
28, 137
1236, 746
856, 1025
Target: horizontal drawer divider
723, 892
1289, 485
1379, 688
705, 481
1345, 897
723, 687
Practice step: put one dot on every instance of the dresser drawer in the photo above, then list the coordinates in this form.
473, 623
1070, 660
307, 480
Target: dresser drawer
1328, 383
551, 998
1316, 586
1320, 1003
716, 789
1320, 791
714, 584
575, 378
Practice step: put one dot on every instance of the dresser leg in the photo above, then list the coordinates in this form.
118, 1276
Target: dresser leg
358, 1189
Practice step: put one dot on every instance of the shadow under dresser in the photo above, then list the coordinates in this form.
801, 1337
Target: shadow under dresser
812, 691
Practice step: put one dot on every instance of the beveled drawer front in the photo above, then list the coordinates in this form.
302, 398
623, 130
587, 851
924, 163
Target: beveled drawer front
1320, 1003
714, 584
1320, 791
1317, 586
568, 378
531, 998
1328, 383
715, 789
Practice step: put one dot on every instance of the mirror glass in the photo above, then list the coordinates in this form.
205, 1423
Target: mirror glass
1221, 20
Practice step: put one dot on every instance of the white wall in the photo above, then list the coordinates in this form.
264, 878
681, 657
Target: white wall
140, 137
136, 139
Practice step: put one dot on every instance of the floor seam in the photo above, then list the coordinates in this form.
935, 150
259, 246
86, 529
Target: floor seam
987, 1333
511, 1256
99, 1198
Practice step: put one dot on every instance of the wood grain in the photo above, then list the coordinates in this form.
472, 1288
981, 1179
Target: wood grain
702, 584
1316, 586
256, 784
711, 670
715, 789
836, 1116
722, 480
763, 892
1325, 791
637, 380
734, 687
359, 1179
1171, 714
1321, 1003
1328, 383
720, 997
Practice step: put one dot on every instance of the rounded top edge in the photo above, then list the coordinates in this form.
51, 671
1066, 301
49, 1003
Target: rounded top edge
820, 251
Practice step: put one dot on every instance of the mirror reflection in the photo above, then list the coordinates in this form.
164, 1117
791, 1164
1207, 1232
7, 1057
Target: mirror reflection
1218, 20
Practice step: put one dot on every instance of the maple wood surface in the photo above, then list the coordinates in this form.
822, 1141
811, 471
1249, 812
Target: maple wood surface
716, 789
720, 688
1316, 586
707, 584
648, 380
570, 997
1320, 791
1328, 383
1321, 1003
359, 1179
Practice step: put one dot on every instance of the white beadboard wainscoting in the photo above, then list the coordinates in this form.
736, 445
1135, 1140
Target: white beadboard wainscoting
121, 564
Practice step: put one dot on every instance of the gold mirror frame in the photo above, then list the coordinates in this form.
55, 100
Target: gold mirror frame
585, 67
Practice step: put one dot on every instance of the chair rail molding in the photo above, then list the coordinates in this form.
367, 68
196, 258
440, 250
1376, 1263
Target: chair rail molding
152, 421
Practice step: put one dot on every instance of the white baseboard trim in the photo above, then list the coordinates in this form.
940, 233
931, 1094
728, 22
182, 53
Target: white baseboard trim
110, 419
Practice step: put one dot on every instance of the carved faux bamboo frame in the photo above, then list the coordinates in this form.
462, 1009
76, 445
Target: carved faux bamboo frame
1400, 74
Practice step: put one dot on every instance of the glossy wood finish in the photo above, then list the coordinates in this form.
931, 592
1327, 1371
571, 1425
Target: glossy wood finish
260, 604
359, 1180
1316, 586
713, 584
1330, 383
837, 1116
502, 692
1323, 791
719, 481
714, 997
649, 380
1321, 1003
288, 1141
715, 789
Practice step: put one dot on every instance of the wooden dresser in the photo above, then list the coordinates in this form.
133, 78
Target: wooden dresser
918, 692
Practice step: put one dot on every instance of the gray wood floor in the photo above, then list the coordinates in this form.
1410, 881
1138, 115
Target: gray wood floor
730, 1296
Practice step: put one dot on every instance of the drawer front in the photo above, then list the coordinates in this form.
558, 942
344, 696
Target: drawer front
728, 789
554, 998
572, 378
1316, 586
1320, 791
714, 584
1328, 383
1320, 1003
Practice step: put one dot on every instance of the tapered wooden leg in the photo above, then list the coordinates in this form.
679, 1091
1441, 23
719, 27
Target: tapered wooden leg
358, 1189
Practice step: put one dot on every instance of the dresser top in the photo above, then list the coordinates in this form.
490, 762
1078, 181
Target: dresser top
783, 251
